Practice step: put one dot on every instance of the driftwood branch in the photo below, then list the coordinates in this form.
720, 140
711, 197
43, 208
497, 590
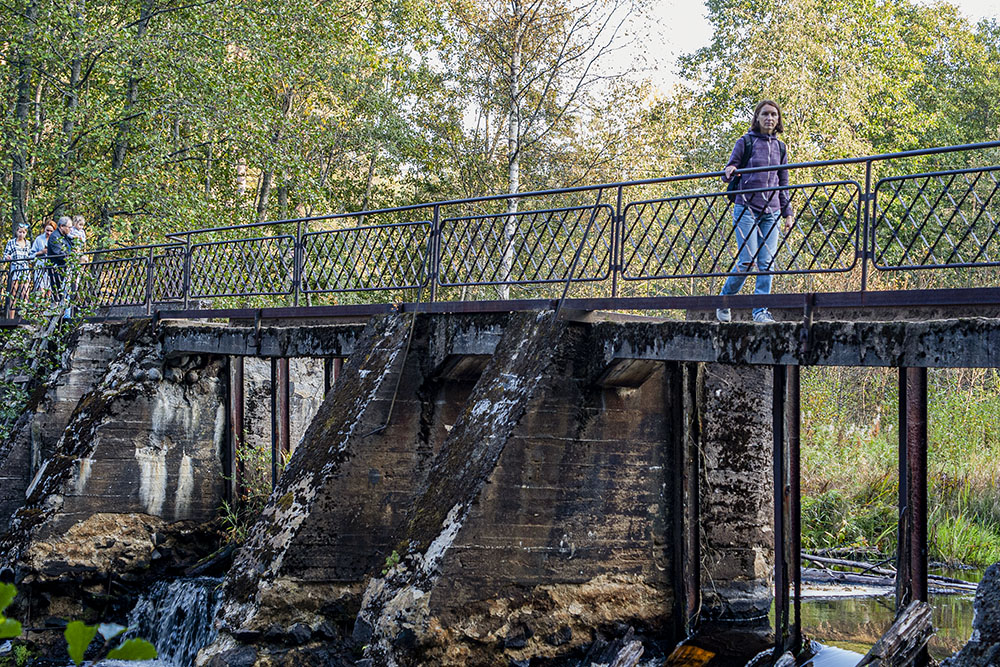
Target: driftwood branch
902, 643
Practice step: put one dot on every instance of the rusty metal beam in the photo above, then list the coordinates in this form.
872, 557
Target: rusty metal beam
284, 409
916, 479
274, 421
781, 605
794, 505
902, 539
674, 414
692, 494
969, 296
236, 441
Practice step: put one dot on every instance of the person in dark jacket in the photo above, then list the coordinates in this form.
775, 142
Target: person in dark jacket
755, 214
58, 249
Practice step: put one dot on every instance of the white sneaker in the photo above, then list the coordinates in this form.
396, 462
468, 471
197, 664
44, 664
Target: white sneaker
723, 315
763, 316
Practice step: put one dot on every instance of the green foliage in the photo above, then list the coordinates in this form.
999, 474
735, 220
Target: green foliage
9, 628
850, 440
21, 655
78, 637
391, 561
134, 649
255, 463
7, 594
30, 353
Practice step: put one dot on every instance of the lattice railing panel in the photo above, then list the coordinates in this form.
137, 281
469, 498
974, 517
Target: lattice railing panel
527, 247
690, 236
366, 258
938, 219
245, 267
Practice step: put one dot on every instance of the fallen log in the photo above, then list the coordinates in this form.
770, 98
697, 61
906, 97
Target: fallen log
903, 642
888, 572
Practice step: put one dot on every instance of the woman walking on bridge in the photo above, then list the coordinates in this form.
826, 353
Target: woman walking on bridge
755, 205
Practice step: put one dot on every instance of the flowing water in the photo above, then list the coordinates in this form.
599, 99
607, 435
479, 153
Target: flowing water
176, 616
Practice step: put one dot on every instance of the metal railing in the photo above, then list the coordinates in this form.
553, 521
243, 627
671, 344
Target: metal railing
663, 236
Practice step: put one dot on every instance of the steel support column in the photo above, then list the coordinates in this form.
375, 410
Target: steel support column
794, 507
780, 512
236, 442
331, 371
902, 532
916, 481
280, 438
692, 494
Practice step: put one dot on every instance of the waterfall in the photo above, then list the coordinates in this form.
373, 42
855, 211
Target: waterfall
176, 616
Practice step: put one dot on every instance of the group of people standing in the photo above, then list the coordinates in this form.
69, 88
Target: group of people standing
40, 265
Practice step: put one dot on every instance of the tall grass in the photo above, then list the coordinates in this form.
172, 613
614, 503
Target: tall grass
849, 453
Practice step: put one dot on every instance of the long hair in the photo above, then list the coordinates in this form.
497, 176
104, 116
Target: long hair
755, 125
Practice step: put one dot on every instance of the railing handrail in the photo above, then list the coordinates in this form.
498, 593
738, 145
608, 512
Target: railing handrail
683, 235
878, 157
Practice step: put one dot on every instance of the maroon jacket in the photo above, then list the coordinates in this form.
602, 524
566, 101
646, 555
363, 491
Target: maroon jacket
766, 151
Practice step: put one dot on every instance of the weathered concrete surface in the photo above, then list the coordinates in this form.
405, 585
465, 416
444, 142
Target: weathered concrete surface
984, 644
184, 337
558, 528
737, 536
948, 343
142, 445
37, 431
528, 508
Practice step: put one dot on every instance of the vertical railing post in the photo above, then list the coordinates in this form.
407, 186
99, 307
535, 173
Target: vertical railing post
187, 270
149, 281
297, 264
780, 540
867, 245
617, 232
435, 253
8, 301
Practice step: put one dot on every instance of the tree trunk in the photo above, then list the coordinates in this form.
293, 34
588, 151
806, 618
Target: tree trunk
283, 200
266, 178
22, 66
120, 146
513, 148
264, 194
68, 126
241, 177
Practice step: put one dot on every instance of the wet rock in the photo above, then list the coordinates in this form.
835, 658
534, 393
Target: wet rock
299, 634
154, 374
274, 634
244, 656
191, 377
518, 638
139, 375
984, 644
561, 636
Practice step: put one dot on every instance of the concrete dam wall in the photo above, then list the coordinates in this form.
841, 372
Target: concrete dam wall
474, 490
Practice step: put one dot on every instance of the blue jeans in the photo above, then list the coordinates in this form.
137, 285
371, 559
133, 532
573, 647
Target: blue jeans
757, 236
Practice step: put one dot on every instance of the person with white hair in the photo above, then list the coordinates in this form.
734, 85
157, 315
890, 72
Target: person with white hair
58, 250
